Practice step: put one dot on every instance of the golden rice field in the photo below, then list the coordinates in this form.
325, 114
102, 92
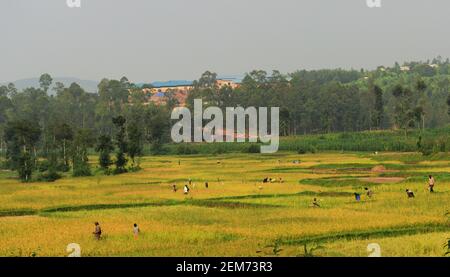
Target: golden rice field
238, 215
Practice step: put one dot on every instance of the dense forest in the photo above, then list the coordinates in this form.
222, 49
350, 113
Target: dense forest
53, 131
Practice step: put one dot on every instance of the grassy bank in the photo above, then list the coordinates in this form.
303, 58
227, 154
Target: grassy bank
433, 141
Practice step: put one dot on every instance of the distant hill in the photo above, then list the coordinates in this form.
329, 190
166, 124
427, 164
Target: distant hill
87, 85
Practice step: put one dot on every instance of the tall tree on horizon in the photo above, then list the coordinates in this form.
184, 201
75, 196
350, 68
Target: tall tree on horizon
83, 139
378, 106
135, 131
104, 147
122, 146
45, 81
22, 137
404, 114
448, 104
64, 135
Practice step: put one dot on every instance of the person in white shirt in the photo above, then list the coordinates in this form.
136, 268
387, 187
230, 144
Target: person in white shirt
136, 230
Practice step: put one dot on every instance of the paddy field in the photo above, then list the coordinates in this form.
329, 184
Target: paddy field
238, 214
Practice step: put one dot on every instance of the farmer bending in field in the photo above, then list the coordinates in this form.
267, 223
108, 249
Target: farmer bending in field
410, 193
186, 189
174, 188
136, 230
357, 196
206, 184
315, 203
369, 192
97, 231
431, 183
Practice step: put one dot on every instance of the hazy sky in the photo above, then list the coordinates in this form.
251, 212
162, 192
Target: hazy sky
149, 40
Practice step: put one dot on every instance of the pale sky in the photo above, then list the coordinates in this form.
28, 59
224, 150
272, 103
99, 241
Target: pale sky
150, 40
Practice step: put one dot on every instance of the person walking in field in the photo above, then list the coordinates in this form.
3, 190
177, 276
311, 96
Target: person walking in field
186, 189
136, 230
97, 231
206, 184
174, 188
431, 182
410, 193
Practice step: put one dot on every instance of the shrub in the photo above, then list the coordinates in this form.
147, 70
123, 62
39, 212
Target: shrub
219, 150
134, 168
305, 149
44, 166
184, 149
441, 143
302, 150
81, 168
427, 148
158, 149
4, 164
63, 167
49, 176
119, 170
253, 148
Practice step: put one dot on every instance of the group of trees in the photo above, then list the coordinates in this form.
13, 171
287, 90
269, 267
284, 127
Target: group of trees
51, 132
52, 128
324, 101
